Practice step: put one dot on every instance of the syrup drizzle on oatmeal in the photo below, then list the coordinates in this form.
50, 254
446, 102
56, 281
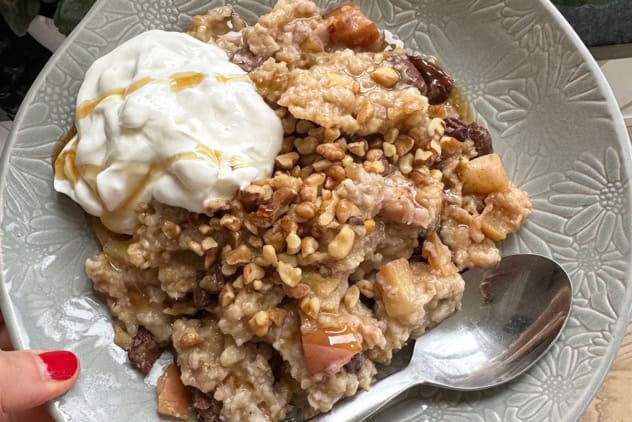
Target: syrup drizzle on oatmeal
461, 103
342, 337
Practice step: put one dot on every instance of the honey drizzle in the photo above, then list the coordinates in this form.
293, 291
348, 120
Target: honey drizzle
340, 338
63, 141
177, 81
184, 80
236, 163
65, 162
232, 78
461, 103
65, 165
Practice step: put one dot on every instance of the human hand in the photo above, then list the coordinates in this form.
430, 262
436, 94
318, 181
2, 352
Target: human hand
28, 379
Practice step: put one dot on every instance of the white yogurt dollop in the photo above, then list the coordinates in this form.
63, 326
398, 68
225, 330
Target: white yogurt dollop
169, 118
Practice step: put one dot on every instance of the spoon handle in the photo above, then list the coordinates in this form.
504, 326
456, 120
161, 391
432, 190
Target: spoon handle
366, 403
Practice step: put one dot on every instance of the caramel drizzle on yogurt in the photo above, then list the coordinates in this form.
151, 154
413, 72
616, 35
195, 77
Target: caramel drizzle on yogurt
87, 107
65, 160
67, 169
177, 81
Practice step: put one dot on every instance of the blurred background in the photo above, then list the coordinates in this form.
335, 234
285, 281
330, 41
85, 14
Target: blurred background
32, 28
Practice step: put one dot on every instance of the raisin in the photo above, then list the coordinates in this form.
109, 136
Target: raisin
201, 297
409, 74
355, 221
246, 59
207, 409
439, 83
276, 365
456, 128
481, 138
144, 350
389, 168
355, 364
213, 282
349, 27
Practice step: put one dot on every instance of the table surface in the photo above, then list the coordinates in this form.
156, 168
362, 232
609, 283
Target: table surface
612, 403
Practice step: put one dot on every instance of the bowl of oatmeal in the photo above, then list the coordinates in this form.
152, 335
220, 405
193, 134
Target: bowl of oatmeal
283, 199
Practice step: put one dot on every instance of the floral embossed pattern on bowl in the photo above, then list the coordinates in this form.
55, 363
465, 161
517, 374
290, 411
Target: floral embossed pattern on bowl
555, 123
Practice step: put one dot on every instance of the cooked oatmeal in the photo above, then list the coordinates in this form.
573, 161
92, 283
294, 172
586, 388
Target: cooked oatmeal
288, 295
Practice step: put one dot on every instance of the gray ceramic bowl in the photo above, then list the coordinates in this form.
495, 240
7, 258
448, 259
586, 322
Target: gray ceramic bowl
554, 121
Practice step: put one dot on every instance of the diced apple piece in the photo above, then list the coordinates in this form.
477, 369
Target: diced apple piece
173, 396
438, 255
494, 228
116, 250
396, 283
351, 28
325, 360
326, 349
103, 234
484, 175
504, 213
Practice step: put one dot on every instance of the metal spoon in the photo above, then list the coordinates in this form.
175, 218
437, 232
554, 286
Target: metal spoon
511, 315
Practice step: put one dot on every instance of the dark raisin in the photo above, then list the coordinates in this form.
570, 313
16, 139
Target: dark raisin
201, 297
456, 128
355, 221
409, 74
367, 301
194, 218
417, 255
389, 168
246, 59
276, 364
355, 364
481, 138
207, 409
214, 281
439, 83
144, 350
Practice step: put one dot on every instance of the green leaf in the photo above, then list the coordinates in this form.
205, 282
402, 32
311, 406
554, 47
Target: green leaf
69, 13
19, 13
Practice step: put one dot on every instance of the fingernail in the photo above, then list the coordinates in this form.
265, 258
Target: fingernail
61, 365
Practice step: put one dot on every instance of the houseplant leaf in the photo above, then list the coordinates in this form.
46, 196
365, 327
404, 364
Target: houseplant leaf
19, 13
69, 13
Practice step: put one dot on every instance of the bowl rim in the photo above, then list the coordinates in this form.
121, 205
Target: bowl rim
12, 318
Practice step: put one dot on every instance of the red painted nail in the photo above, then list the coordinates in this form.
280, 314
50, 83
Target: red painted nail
61, 365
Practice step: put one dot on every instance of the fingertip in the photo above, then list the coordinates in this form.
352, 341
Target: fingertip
61, 365
29, 378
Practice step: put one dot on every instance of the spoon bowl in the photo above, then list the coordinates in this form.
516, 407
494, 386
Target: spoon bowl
511, 315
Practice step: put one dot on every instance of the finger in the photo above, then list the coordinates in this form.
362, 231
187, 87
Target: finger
28, 379
5, 340
39, 414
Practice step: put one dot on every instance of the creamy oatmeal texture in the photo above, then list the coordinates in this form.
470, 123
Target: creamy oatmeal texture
285, 296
